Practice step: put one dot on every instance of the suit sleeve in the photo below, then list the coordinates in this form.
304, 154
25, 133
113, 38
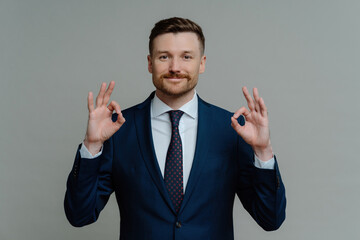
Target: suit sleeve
89, 187
261, 191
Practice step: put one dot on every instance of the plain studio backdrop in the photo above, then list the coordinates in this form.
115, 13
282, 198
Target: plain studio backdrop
302, 55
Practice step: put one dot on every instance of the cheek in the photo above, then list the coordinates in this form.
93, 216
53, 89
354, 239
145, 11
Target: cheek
194, 71
159, 69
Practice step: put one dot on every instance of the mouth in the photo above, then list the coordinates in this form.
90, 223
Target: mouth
174, 79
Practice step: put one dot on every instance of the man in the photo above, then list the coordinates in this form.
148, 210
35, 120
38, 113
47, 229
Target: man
176, 164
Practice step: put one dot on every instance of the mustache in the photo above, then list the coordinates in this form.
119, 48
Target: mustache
175, 75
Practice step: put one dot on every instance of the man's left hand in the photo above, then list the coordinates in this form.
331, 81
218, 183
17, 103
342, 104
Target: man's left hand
256, 129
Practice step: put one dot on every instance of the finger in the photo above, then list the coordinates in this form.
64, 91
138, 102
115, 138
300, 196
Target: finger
108, 92
263, 108
100, 96
115, 106
120, 120
236, 126
242, 111
90, 102
249, 99
256, 98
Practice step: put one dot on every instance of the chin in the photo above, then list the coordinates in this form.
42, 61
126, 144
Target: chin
174, 91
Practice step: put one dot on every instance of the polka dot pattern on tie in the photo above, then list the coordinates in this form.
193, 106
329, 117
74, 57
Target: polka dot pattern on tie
173, 176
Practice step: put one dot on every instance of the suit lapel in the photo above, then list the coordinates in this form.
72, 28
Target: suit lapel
144, 136
202, 147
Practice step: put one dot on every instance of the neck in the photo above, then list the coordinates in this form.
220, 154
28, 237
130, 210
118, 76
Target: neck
175, 102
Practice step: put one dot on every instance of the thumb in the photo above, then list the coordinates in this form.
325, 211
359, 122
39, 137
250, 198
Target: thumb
235, 125
120, 120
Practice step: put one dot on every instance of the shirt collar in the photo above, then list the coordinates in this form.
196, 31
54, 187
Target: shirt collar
190, 108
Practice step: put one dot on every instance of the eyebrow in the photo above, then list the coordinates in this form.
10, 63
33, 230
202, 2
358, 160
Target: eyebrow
161, 52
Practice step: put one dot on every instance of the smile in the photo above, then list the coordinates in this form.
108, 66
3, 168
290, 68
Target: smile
174, 79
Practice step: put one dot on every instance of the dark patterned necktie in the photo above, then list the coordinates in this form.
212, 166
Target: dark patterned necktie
174, 164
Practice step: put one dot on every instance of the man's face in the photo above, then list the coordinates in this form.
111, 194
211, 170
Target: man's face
175, 63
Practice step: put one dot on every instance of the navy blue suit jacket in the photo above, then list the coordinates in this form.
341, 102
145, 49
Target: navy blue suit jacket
222, 167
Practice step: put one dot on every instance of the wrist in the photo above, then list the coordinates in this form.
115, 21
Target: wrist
264, 153
93, 147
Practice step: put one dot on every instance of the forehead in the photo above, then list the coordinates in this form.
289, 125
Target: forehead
183, 41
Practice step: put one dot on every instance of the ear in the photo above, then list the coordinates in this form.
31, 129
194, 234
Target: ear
149, 63
202, 64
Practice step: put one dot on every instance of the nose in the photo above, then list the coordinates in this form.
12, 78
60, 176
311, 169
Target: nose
174, 65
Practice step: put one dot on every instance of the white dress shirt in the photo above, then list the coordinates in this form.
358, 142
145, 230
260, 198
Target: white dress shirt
161, 133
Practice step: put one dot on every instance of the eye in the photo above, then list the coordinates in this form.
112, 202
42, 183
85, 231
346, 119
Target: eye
187, 57
163, 57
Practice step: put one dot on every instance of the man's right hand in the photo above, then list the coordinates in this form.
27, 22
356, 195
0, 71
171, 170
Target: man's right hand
100, 125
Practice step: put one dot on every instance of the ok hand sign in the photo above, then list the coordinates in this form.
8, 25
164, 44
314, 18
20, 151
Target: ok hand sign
100, 125
256, 129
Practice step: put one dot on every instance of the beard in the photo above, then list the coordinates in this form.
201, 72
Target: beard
175, 89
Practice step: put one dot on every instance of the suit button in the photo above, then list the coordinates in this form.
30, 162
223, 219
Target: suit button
178, 224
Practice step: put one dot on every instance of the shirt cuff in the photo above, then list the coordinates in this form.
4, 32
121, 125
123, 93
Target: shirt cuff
84, 152
269, 164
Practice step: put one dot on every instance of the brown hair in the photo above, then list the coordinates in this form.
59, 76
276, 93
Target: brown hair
176, 25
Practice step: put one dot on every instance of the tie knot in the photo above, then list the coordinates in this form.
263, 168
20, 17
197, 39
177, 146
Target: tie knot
175, 117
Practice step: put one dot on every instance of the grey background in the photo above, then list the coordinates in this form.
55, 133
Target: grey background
302, 55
